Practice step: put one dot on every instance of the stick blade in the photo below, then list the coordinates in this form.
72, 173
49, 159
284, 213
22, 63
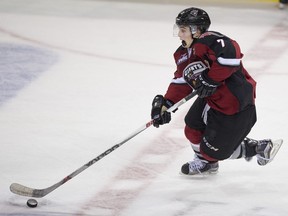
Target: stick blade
26, 191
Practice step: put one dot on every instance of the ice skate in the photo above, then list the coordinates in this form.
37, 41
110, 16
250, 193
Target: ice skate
198, 166
266, 150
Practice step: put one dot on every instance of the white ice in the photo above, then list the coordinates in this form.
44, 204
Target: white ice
101, 64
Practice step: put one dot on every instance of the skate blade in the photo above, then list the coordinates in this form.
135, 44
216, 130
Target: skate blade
276, 146
199, 175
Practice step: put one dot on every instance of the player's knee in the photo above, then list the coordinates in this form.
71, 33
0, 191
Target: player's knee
207, 149
211, 151
213, 156
194, 136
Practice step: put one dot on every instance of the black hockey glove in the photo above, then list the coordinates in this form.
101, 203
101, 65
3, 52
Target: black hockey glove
204, 85
158, 112
195, 74
192, 71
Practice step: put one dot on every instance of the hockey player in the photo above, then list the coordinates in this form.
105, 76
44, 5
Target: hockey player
224, 112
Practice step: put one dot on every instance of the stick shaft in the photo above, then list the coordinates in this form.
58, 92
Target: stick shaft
38, 193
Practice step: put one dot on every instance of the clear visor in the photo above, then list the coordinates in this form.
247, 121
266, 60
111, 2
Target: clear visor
176, 29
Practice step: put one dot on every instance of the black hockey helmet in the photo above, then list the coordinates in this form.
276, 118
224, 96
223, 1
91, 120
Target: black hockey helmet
194, 17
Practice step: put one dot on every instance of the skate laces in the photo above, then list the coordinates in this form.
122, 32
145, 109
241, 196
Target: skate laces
197, 165
265, 146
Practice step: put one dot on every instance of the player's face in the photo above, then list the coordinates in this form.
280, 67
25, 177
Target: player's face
184, 33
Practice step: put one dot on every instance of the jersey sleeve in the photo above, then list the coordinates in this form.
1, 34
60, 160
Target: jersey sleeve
178, 88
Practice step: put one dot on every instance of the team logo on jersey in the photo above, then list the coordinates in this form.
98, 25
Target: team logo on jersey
193, 70
182, 58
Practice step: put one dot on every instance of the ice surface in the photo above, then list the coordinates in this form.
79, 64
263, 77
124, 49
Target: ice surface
92, 69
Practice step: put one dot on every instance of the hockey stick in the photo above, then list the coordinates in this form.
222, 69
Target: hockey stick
38, 193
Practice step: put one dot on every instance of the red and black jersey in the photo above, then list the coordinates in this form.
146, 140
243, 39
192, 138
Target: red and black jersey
223, 56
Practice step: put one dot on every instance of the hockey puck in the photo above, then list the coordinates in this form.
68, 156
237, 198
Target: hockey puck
32, 203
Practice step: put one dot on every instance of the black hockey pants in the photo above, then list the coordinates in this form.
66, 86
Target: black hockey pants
222, 133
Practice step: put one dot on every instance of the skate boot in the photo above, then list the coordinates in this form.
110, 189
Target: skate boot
266, 150
252, 143
198, 166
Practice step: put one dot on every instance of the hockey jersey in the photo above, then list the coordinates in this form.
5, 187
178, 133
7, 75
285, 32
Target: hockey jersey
223, 56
